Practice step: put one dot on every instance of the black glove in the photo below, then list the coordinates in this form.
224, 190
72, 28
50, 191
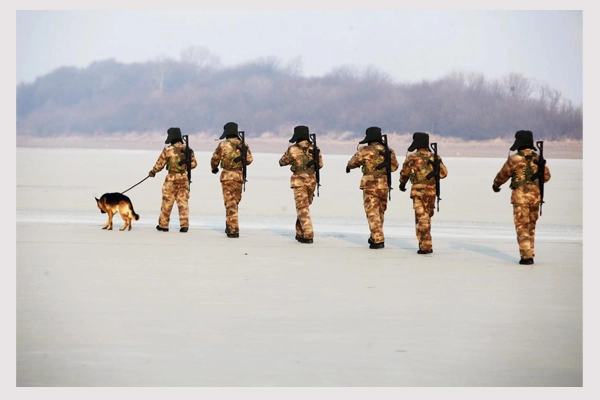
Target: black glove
403, 186
347, 169
183, 161
495, 188
215, 170
237, 159
151, 174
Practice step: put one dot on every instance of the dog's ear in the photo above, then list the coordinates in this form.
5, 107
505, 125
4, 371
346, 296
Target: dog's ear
96, 199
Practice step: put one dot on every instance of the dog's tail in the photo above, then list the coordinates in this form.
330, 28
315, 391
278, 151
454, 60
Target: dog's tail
135, 216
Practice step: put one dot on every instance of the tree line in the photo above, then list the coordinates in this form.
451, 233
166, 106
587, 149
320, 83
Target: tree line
264, 96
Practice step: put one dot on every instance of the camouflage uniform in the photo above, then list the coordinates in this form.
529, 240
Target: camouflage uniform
231, 179
525, 197
374, 185
303, 182
176, 186
415, 168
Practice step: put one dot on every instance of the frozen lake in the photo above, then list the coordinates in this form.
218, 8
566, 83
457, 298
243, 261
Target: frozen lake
145, 308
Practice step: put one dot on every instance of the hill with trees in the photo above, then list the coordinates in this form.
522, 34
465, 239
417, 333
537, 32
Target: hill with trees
266, 97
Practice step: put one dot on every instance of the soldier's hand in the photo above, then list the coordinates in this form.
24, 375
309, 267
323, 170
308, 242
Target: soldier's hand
237, 159
495, 188
215, 170
347, 169
183, 161
403, 186
151, 174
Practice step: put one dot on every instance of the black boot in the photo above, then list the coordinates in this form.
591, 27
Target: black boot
158, 228
526, 261
303, 240
183, 229
231, 233
424, 251
379, 245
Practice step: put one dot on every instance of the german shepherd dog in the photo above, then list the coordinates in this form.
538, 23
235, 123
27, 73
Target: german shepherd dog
113, 203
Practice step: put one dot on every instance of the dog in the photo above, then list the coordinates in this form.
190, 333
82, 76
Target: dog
113, 203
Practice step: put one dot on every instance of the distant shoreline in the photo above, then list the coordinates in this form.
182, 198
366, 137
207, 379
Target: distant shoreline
497, 148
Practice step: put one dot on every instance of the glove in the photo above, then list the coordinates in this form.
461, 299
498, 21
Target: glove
182, 162
347, 169
495, 188
215, 170
151, 174
403, 186
237, 159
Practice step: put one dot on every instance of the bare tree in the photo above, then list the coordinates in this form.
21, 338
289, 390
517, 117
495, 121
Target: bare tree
518, 86
201, 57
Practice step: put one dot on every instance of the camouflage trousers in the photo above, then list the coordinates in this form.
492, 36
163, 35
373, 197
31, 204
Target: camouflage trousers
232, 196
525, 217
424, 208
375, 204
303, 196
176, 191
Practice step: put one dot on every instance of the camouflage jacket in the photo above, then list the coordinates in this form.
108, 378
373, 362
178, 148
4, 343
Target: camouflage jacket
416, 167
297, 156
225, 153
170, 158
368, 158
518, 168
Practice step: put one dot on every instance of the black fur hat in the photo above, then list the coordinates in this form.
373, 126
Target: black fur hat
372, 134
173, 135
523, 139
300, 133
230, 130
420, 140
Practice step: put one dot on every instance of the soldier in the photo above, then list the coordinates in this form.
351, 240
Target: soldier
176, 186
303, 180
525, 170
229, 154
374, 182
418, 167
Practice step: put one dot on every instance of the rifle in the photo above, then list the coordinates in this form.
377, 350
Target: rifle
541, 171
244, 152
188, 160
387, 163
436, 174
315, 161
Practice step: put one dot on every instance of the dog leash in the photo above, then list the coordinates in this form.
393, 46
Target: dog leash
136, 184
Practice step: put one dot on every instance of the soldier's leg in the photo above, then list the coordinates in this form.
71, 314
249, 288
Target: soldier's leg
231, 200
383, 201
422, 223
236, 190
425, 222
534, 214
182, 199
168, 198
304, 228
371, 204
521, 216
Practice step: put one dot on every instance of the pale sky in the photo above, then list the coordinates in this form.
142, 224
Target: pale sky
410, 46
